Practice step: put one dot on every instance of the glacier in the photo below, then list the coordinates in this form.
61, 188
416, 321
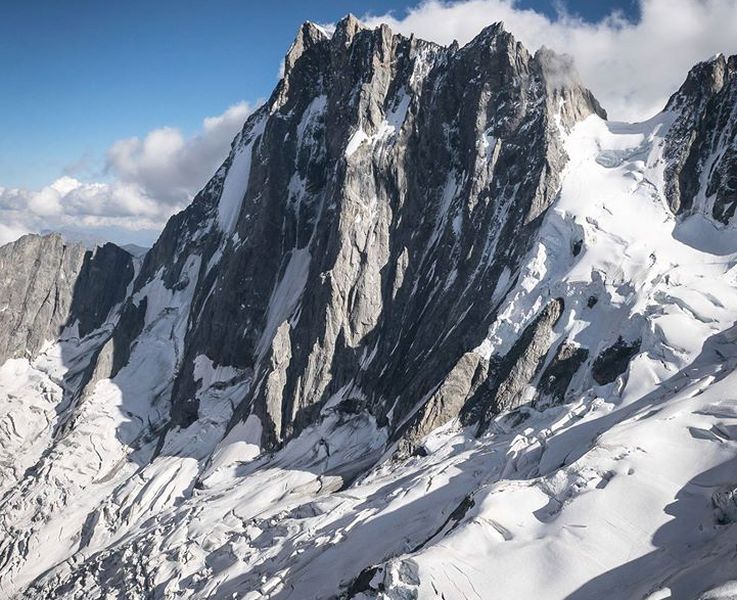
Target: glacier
436, 329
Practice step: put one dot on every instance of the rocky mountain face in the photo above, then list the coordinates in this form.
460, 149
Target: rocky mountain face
432, 320
48, 284
701, 149
386, 186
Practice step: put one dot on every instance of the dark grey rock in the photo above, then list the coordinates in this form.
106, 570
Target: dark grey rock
701, 146
130, 325
725, 504
557, 376
613, 361
365, 268
101, 284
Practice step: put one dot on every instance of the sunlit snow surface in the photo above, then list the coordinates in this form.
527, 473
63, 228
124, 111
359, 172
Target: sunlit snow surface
609, 496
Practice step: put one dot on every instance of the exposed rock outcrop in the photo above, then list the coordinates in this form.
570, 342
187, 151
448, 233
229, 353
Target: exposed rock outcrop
38, 274
701, 147
613, 361
357, 231
511, 373
557, 376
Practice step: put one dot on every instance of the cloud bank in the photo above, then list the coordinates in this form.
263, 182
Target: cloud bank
632, 67
148, 179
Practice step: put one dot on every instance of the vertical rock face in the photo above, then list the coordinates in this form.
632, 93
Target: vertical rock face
47, 283
37, 278
357, 234
410, 250
102, 283
701, 148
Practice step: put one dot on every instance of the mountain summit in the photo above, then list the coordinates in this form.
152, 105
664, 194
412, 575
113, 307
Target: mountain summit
434, 328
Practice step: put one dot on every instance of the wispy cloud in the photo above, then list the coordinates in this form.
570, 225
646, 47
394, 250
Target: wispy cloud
166, 166
148, 179
632, 67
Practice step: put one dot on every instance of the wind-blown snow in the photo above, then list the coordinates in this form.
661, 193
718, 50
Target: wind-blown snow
356, 140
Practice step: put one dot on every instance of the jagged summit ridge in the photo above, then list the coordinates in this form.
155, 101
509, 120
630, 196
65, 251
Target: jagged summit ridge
380, 161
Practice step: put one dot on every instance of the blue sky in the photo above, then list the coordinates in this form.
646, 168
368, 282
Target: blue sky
79, 75
114, 114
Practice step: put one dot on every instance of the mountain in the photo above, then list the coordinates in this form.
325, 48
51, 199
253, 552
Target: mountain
436, 328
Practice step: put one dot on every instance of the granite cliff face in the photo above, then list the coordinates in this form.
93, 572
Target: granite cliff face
48, 284
38, 275
702, 144
430, 319
385, 187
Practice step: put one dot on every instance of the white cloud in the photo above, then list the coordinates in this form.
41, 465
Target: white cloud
74, 207
170, 168
632, 67
149, 180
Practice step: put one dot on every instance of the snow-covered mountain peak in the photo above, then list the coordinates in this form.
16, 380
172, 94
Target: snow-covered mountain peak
435, 328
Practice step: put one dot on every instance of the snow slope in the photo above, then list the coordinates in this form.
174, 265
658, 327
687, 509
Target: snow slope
625, 487
607, 496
